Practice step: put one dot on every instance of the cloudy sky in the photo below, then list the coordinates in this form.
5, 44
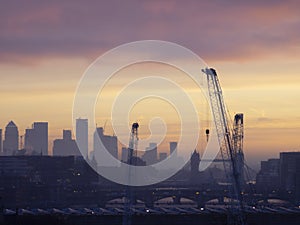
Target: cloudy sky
45, 47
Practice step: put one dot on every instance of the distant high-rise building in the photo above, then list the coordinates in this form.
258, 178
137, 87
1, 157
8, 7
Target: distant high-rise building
67, 135
150, 155
29, 140
109, 142
162, 156
124, 156
195, 161
66, 146
0, 141
267, 178
40, 144
82, 136
36, 138
290, 171
11, 139
173, 147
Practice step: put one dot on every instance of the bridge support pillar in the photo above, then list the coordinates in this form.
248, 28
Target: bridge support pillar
221, 199
200, 199
200, 203
176, 200
149, 202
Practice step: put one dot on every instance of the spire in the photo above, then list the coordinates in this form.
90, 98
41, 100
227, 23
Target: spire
11, 124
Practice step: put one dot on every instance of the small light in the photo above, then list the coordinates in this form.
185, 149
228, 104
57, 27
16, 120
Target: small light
253, 207
201, 209
197, 193
147, 210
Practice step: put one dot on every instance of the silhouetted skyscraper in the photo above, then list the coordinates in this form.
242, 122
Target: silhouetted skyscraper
267, 179
124, 156
66, 146
40, 137
150, 155
11, 141
36, 138
195, 161
29, 140
67, 135
82, 136
173, 147
109, 142
290, 171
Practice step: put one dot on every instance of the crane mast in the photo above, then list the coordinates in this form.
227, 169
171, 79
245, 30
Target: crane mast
133, 143
238, 136
238, 132
131, 160
225, 139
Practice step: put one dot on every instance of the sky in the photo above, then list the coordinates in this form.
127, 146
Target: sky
45, 47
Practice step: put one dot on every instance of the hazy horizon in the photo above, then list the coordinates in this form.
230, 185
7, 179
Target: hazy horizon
45, 47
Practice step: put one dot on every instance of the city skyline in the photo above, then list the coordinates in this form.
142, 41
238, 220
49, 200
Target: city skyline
256, 55
70, 148
34, 139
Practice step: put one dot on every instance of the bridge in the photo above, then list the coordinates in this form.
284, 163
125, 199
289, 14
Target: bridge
199, 196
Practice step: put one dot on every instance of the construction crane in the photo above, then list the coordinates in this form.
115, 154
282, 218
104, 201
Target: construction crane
230, 142
131, 160
133, 144
238, 136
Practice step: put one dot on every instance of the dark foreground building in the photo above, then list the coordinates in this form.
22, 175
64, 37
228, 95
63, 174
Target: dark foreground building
44, 181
